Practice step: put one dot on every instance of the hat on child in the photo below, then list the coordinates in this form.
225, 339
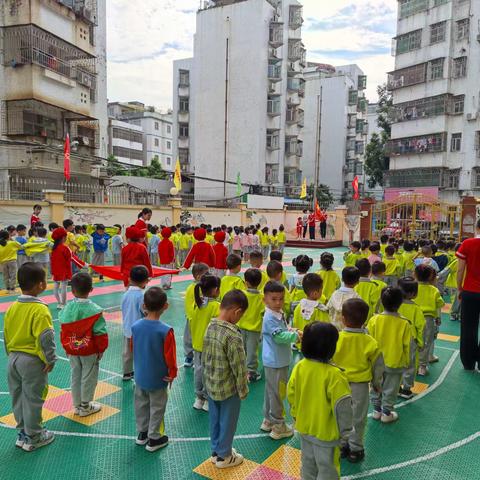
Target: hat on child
220, 237
59, 233
200, 234
134, 233
166, 232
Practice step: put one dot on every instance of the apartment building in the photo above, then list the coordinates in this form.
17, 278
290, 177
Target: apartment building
52, 82
336, 127
126, 142
156, 127
435, 147
238, 103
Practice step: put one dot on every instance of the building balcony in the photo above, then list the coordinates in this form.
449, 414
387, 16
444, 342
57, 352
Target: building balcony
85, 10
183, 142
183, 116
416, 74
293, 84
419, 145
362, 82
293, 70
273, 56
275, 37
295, 50
275, 73
273, 139
295, 19
293, 146
412, 7
274, 107
301, 118
414, 177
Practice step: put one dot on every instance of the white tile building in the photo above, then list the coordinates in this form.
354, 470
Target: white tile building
126, 142
245, 97
335, 127
436, 131
53, 81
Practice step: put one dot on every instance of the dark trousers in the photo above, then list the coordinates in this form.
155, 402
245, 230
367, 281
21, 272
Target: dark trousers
305, 228
323, 229
470, 314
312, 232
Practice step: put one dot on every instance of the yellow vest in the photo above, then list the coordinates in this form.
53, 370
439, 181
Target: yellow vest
183, 241
356, 354
313, 391
282, 238
252, 319
9, 252
265, 240
413, 313
264, 281
392, 266
352, 258
370, 293
200, 320
383, 246
429, 300
331, 282
190, 300
393, 334
401, 262
209, 239
231, 282
408, 260
451, 281
70, 242
24, 323
300, 322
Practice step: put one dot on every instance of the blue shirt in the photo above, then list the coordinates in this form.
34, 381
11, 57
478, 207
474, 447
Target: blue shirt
117, 241
148, 354
274, 355
132, 304
153, 244
100, 242
21, 241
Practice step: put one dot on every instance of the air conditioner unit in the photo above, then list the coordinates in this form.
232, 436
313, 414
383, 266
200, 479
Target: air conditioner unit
471, 117
84, 79
85, 141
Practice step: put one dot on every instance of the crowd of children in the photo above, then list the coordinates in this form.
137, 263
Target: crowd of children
362, 336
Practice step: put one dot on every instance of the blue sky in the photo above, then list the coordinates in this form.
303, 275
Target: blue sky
144, 38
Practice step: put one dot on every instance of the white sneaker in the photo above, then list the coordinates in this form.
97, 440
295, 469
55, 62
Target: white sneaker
422, 371
205, 406
213, 458
233, 460
392, 417
198, 404
76, 411
377, 415
90, 410
281, 431
43, 439
266, 426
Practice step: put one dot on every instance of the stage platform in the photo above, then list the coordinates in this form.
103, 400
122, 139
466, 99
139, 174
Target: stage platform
314, 244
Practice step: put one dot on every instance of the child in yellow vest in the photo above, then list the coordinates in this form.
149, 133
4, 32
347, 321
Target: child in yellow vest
383, 244
198, 271
256, 261
265, 242
312, 308
251, 322
399, 256
206, 307
282, 238
413, 313
451, 286
320, 402
392, 267
302, 264
350, 279
351, 257
359, 357
393, 334
273, 238
278, 256
8, 260
331, 280
233, 280
367, 289
409, 255
365, 250
431, 303
276, 273
184, 242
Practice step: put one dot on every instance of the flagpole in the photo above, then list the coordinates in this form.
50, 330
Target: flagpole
318, 146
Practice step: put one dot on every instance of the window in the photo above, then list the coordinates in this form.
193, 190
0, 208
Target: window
169, 129
271, 173
435, 142
359, 128
437, 3
460, 67
451, 179
476, 178
156, 142
438, 32
411, 7
458, 104
408, 42
169, 145
121, 152
456, 144
436, 68
352, 97
39, 126
463, 29
183, 130
421, 108
184, 78
124, 134
156, 126
184, 104
359, 148
407, 76
169, 161
273, 140
183, 154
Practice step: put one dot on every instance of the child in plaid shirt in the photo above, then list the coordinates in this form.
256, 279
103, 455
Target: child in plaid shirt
225, 377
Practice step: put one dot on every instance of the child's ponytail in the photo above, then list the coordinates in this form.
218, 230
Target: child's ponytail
4, 237
205, 287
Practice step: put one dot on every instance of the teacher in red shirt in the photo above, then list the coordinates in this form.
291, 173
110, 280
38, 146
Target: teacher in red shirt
311, 225
468, 283
142, 223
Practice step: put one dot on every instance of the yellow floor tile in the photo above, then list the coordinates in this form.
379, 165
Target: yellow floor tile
208, 470
419, 387
54, 392
48, 415
448, 338
287, 460
8, 420
106, 412
103, 389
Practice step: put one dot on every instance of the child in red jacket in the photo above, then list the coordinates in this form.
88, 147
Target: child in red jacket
221, 254
201, 252
134, 254
166, 254
61, 266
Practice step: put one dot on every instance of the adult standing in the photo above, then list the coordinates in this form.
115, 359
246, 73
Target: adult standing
311, 225
323, 217
468, 282
142, 223
305, 223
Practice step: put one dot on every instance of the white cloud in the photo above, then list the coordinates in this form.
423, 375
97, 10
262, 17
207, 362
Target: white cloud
145, 37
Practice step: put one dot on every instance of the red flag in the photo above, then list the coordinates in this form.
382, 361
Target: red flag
66, 158
356, 193
318, 211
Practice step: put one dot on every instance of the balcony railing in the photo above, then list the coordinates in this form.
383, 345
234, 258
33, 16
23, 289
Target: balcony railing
295, 19
415, 177
426, 107
301, 118
274, 72
293, 84
411, 7
433, 143
29, 44
273, 107
295, 50
407, 76
276, 35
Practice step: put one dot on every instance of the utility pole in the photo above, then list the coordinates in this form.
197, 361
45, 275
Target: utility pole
318, 146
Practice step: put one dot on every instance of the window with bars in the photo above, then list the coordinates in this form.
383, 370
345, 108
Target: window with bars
476, 178
435, 142
183, 130
459, 104
421, 108
463, 29
184, 78
39, 125
438, 32
273, 139
183, 155
359, 148
271, 173
407, 76
129, 135
456, 142
352, 97
436, 68
451, 179
127, 153
411, 7
408, 42
460, 67
184, 104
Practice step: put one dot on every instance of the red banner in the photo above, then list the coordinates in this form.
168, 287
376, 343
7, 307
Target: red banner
356, 192
66, 158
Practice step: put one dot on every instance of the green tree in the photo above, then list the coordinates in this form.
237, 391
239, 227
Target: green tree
376, 158
154, 170
114, 167
324, 195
